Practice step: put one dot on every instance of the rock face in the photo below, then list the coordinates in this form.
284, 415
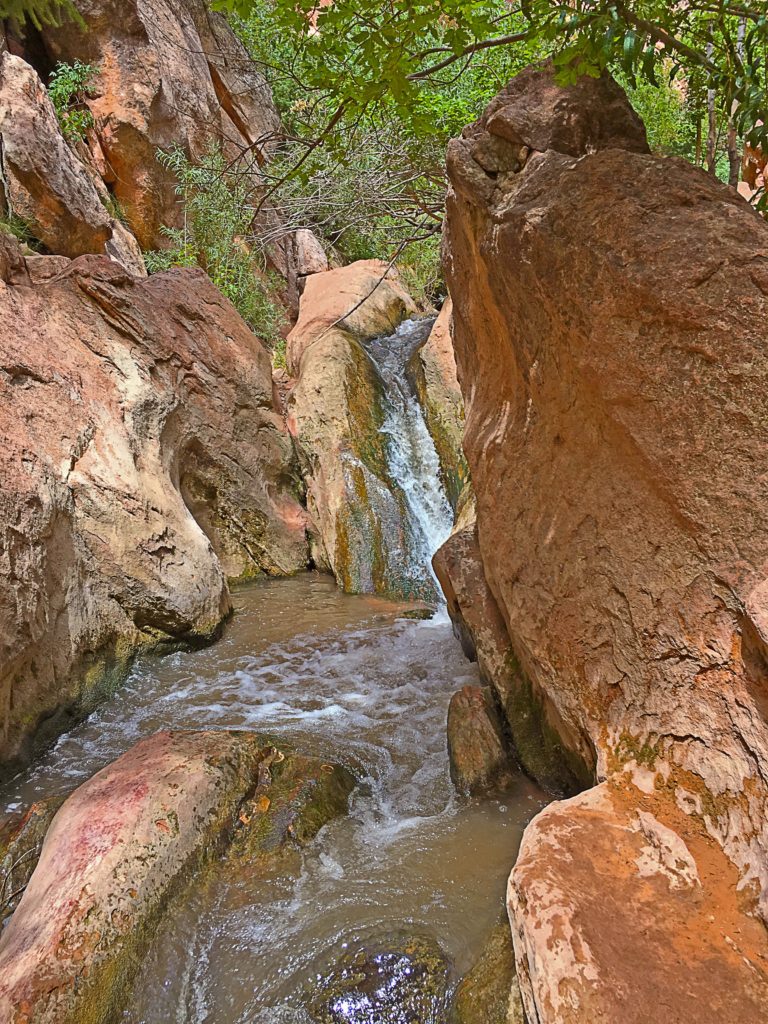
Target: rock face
171, 73
336, 412
480, 757
115, 852
44, 183
433, 371
608, 323
143, 463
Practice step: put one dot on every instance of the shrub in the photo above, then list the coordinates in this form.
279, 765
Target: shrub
68, 88
217, 236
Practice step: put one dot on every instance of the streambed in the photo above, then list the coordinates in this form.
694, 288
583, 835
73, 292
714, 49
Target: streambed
344, 678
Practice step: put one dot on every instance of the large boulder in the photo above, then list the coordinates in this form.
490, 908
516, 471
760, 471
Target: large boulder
143, 464
609, 311
624, 911
125, 841
45, 185
336, 412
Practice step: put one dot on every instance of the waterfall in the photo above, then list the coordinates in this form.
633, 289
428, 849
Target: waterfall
414, 466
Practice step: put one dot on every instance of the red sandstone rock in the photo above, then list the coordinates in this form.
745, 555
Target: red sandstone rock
45, 184
623, 911
608, 325
127, 840
107, 865
170, 74
143, 462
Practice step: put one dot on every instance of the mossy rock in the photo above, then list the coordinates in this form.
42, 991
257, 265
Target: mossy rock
398, 979
295, 797
21, 840
489, 993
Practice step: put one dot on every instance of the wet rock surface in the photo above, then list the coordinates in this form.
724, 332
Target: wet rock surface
608, 311
433, 373
490, 993
352, 412
478, 747
393, 980
21, 843
143, 463
126, 841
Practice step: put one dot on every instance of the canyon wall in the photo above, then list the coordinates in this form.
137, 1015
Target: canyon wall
144, 462
168, 75
610, 310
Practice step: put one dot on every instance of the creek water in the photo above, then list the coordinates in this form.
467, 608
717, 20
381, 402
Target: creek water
345, 678
413, 460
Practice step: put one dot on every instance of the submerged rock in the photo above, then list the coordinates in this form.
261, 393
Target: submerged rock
609, 323
490, 993
479, 751
126, 841
143, 463
294, 798
395, 980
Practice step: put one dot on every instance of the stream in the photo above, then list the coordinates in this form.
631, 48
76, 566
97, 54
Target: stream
348, 679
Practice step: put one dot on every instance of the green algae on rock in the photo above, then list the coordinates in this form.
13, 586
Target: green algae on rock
489, 993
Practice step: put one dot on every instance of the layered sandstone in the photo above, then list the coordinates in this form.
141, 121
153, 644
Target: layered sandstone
608, 324
143, 463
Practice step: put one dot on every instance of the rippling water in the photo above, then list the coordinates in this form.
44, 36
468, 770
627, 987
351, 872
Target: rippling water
344, 678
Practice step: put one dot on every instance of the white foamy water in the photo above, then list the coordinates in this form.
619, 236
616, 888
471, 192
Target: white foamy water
340, 677
413, 459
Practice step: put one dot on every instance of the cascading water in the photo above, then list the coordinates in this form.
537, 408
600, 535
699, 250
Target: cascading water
414, 466
344, 678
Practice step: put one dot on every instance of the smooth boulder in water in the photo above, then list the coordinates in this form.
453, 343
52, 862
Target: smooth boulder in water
395, 980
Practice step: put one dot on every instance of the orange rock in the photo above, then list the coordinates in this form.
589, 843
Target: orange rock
609, 312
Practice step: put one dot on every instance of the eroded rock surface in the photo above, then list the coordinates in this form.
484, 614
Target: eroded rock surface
125, 841
43, 182
624, 910
143, 464
608, 326
171, 73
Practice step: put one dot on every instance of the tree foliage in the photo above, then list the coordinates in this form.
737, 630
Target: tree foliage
37, 12
397, 49
68, 88
217, 236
